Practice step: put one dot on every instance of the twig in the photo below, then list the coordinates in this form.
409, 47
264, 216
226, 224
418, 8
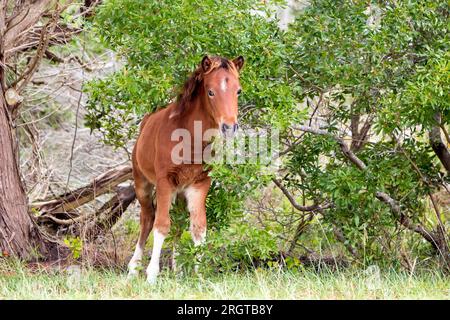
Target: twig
294, 203
344, 148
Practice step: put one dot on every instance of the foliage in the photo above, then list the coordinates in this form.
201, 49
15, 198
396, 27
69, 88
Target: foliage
384, 65
239, 247
349, 65
163, 42
75, 245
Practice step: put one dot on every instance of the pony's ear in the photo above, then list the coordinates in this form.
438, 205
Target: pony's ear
239, 62
206, 63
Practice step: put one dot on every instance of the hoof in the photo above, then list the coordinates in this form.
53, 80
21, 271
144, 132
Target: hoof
132, 273
151, 279
152, 274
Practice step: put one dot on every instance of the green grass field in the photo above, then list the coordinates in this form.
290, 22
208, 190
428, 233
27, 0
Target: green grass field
17, 282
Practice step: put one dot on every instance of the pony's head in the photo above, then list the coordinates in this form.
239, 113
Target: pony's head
216, 80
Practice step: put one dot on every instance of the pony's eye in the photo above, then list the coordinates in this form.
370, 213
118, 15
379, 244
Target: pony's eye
239, 92
210, 93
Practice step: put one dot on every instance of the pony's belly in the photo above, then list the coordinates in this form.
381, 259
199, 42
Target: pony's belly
186, 175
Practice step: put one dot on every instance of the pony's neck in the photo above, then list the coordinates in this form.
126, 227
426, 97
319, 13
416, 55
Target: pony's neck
197, 110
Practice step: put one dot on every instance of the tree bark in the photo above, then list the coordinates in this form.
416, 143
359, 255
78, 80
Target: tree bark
19, 235
439, 147
19, 23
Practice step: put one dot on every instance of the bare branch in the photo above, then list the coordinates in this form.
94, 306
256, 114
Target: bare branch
362, 136
344, 148
35, 61
404, 220
25, 19
354, 127
294, 203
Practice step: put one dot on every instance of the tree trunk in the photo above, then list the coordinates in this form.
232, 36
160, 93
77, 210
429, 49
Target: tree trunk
19, 235
439, 147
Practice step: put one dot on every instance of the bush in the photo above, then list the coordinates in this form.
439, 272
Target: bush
239, 247
373, 75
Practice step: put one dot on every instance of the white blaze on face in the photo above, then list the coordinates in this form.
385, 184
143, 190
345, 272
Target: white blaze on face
223, 85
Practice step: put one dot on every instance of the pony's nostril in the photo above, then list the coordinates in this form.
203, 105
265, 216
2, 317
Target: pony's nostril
229, 129
225, 127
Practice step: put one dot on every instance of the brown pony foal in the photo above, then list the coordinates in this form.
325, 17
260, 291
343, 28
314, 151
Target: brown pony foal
209, 98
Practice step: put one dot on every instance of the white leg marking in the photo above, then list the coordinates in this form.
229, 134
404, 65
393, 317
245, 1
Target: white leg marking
153, 267
192, 195
200, 240
197, 242
135, 261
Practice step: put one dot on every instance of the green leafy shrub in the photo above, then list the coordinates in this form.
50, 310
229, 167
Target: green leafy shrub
75, 244
382, 65
379, 65
239, 247
162, 43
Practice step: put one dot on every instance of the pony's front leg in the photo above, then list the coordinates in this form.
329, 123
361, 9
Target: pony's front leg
161, 226
196, 201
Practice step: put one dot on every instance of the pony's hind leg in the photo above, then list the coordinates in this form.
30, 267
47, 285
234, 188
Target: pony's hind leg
144, 190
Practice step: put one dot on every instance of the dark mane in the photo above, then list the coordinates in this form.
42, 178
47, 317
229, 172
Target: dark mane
193, 83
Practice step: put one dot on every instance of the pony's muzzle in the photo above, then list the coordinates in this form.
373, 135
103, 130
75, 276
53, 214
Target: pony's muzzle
229, 130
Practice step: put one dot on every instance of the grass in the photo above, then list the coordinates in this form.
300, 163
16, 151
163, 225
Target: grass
17, 282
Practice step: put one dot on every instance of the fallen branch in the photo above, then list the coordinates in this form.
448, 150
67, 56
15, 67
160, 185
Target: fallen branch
73, 199
107, 216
